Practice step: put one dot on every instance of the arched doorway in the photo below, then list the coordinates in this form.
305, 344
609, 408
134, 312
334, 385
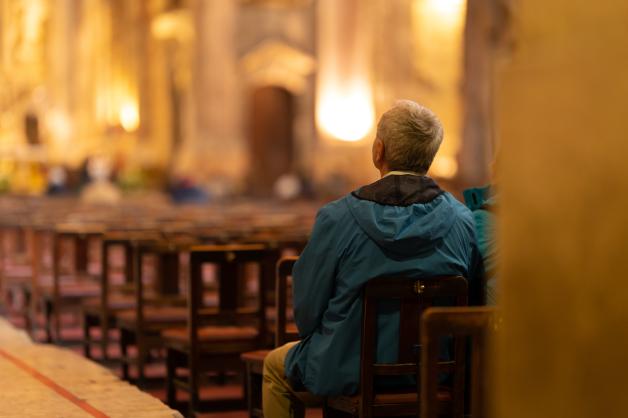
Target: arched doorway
271, 137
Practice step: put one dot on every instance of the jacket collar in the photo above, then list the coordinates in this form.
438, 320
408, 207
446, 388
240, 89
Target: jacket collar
400, 190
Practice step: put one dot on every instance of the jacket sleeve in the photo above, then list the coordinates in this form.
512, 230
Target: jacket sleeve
313, 275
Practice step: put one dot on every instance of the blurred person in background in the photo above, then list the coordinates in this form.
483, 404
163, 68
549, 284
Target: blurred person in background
482, 203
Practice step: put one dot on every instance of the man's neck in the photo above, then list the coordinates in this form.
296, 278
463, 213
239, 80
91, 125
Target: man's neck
400, 173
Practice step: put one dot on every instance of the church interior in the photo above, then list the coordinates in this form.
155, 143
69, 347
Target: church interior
163, 162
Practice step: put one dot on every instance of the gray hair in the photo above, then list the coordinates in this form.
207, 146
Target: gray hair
411, 135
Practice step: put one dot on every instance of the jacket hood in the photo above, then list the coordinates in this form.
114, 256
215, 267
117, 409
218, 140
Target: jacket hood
405, 215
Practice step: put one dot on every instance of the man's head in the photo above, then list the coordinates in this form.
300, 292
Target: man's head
408, 137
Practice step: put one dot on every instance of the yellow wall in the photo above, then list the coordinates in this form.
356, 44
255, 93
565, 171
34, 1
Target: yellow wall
563, 176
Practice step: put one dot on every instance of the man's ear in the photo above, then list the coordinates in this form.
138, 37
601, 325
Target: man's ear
378, 153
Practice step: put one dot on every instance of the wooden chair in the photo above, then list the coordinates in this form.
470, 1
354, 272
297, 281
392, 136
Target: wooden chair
64, 294
31, 289
476, 323
155, 309
414, 295
284, 332
215, 338
16, 269
118, 297
98, 312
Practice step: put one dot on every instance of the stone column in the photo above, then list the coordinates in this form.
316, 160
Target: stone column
216, 136
476, 148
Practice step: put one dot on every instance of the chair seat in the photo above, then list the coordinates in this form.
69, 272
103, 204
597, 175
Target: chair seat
254, 356
16, 282
73, 290
209, 334
154, 317
115, 303
11, 272
254, 361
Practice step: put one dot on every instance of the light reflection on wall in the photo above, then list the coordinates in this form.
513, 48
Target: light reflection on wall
344, 108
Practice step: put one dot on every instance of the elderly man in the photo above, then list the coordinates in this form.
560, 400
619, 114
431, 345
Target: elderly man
402, 224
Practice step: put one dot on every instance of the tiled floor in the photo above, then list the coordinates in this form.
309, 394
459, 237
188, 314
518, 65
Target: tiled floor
40, 380
155, 372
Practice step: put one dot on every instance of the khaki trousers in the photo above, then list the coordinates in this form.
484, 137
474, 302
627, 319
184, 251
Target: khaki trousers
279, 400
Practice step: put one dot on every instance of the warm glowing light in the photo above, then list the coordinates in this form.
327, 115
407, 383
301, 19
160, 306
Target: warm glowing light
129, 116
347, 114
59, 125
176, 24
445, 11
444, 166
344, 96
34, 15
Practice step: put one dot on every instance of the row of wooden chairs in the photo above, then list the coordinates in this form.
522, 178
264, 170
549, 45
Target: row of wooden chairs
157, 318
422, 329
205, 328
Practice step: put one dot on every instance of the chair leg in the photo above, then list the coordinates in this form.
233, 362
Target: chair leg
142, 354
253, 392
56, 314
247, 389
104, 336
87, 339
27, 312
171, 374
194, 376
48, 320
124, 355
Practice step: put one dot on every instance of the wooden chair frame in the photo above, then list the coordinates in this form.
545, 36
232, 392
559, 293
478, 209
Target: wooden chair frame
197, 357
10, 284
104, 316
477, 323
146, 336
56, 302
415, 295
254, 361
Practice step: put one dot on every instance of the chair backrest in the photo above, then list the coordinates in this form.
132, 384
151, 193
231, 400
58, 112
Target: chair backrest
165, 290
414, 296
475, 323
284, 270
230, 259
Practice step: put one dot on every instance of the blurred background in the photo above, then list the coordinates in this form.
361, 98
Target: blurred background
209, 100
237, 97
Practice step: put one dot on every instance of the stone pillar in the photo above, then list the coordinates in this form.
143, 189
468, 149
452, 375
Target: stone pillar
476, 149
216, 144
561, 114
60, 85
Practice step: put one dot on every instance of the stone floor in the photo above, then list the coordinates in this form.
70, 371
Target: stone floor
27, 396
39, 380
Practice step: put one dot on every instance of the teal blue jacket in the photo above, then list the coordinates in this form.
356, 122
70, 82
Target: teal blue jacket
399, 225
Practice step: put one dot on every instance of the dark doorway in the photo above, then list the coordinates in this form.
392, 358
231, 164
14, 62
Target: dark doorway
271, 141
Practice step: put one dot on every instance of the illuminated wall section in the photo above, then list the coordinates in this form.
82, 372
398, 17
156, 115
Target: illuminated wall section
344, 109
438, 27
